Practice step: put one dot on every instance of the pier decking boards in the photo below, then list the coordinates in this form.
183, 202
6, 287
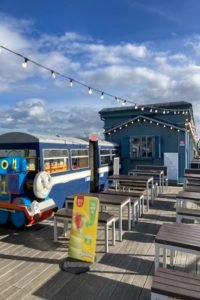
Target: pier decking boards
29, 261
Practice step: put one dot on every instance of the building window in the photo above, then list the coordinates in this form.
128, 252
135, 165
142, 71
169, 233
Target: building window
79, 159
28, 154
56, 160
142, 147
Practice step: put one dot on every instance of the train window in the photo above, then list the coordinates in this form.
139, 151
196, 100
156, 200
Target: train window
79, 159
56, 160
29, 154
105, 157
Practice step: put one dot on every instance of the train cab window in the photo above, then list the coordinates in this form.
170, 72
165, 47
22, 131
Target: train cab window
29, 154
56, 160
105, 157
79, 159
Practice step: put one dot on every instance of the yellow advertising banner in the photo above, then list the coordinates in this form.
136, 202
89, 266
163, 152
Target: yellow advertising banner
83, 235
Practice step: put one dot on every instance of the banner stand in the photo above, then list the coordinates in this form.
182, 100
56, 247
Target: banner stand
83, 234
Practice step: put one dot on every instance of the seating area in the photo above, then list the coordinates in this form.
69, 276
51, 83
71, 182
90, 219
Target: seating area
179, 237
133, 192
30, 259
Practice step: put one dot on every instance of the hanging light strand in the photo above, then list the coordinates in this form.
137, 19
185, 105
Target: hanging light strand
91, 89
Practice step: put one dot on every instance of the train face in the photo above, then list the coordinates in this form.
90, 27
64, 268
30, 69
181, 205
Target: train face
23, 201
38, 172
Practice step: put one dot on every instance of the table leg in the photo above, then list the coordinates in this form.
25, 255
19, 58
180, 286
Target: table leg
106, 238
160, 184
163, 182
157, 256
129, 215
147, 186
113, 232
172, 255
152, 192
120, 223
164, 257
55, 229
133, 215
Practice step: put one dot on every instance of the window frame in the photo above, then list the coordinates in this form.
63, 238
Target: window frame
79, 156
66, 160
141, 138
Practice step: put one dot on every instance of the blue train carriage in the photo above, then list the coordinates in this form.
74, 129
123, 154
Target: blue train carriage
24, 199
69, 161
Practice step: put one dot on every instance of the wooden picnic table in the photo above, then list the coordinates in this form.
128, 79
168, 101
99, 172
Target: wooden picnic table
137, 202
148, 180
183, 197
176, 237
151, 172
116, 200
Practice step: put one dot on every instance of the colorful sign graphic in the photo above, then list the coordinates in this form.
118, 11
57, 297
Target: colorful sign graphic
82, 244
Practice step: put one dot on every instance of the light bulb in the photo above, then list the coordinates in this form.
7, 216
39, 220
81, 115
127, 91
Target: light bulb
151, 110
71, 82
89, 91
102, 96
24, 64
156, 110
142, 108
136, 106
53, 75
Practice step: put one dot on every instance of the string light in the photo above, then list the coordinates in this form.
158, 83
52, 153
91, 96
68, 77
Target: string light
102, 96
24, 64
71, 82
114, 130
55, 73
89, 91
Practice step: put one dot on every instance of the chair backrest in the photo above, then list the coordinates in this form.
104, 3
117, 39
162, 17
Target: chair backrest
152, 167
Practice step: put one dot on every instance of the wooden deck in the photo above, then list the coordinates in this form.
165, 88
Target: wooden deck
29, 262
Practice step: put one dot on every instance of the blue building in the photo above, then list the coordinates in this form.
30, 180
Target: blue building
154, 134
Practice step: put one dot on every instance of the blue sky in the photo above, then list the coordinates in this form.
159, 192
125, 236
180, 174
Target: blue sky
147, 51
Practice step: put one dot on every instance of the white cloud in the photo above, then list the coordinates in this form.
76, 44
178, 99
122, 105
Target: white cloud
140, 71
34, 115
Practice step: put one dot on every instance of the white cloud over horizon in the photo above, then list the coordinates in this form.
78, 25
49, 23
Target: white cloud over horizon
140, 71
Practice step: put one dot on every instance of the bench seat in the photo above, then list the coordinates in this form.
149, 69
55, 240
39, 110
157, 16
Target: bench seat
169, 283
187, 213
105, 219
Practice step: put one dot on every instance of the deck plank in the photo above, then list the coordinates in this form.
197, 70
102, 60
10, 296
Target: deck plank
29, 261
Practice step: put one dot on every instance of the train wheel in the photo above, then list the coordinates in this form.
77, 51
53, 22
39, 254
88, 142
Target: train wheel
18, 219
4, 215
